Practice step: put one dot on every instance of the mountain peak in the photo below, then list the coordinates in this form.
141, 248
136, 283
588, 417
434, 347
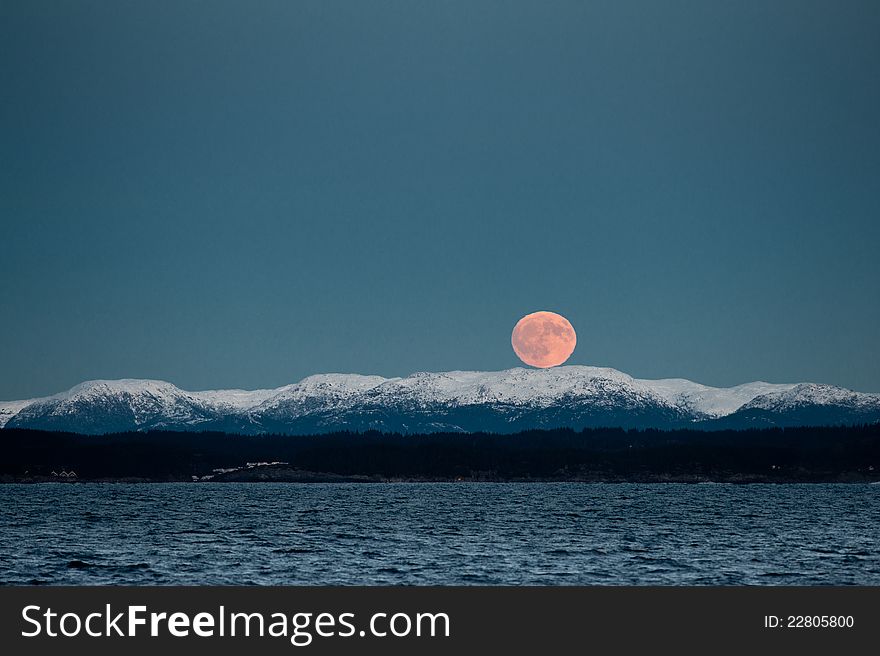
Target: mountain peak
811, 394
119, 386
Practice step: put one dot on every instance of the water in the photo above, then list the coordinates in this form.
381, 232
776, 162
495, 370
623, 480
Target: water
439, 534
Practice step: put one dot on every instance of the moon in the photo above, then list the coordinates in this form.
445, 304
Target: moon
543, 339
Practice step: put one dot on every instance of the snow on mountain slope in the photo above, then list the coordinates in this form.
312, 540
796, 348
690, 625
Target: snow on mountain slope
812, 394
710, 401
806, 404
99, 406
519, 386
8, 409
514, 399
537, 387
321, 388
234, 400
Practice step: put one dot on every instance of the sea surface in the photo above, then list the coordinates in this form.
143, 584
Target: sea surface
439, 534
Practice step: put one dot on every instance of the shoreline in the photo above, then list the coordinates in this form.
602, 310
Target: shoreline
312, 479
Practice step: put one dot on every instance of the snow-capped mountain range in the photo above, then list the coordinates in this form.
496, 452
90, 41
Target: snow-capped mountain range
495, 401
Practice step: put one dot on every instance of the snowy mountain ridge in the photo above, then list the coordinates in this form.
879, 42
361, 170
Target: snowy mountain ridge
498, 401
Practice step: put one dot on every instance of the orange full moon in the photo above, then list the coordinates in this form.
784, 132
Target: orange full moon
543, 339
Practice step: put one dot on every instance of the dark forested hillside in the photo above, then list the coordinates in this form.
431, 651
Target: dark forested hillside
794, 454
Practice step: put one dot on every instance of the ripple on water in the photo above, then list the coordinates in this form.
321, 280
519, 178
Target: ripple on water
439, 534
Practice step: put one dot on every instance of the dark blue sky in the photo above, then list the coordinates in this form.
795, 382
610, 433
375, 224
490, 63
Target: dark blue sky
241, 194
